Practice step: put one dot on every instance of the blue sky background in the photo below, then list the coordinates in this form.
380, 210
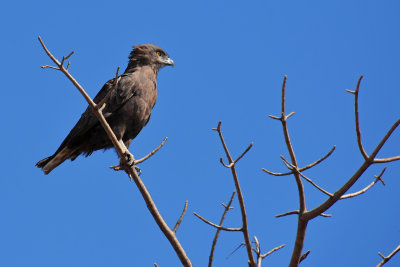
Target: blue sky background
230, 60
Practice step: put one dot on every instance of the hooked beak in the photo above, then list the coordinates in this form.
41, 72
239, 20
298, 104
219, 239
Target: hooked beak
169, 62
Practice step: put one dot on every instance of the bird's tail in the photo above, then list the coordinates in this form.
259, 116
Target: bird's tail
49, 163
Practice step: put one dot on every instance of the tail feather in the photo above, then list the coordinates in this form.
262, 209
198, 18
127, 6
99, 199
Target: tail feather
49, 163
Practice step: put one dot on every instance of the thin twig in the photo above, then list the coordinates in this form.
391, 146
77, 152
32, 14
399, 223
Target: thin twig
297, 212
122, 152
272, 251
358, 131
377, 178
318, 161
180, 218
152, 152
386, 259
214, 243
304, 256
216, 225
304, 168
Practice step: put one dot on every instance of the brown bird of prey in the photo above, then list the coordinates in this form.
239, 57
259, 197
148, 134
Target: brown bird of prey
127, 109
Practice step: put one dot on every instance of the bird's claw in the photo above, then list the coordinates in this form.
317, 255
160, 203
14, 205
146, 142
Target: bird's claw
130, 162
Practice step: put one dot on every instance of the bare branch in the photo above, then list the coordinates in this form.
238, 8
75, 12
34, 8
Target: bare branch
383, 141
318, 161
290, 115
304, 168
152, 152
301, 224
386, 259
218, 226
272, 251
214, 243
244, 227
180, 218
362, 191
247, 150
277, 173
297, 212
123, 153
358, 131
274, 117
223, 164
315, 185
50, 67
304, 256
287, 213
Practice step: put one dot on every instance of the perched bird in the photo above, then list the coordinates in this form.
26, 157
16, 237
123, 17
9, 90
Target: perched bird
127, 108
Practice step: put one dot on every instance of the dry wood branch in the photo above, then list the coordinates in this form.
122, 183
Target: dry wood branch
181, 217
318, 161
358, 131
218, 226
362, 191
214, 243
309, 166
315, 185
277, 173
367, 163
272, 251
152, 152
297, 212
123, 153
382, 142
260, 256
386, 259
304, 256
244, 227
301, 224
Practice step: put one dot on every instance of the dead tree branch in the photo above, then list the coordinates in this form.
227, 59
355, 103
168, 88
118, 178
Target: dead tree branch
260, 256
219, 227
180, 218
214, 243
304, 215
231, 165
386, 259
123, 153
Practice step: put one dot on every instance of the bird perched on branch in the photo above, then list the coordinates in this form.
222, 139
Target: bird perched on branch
129, 99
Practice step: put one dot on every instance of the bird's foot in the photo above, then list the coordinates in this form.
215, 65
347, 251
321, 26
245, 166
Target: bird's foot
130, 162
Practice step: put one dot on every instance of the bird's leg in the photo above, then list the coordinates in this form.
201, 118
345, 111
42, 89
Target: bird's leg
130, 161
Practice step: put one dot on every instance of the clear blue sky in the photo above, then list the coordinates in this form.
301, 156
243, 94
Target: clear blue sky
230, 59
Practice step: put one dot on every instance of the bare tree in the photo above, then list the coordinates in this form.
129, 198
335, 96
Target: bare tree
304, 215
254, 252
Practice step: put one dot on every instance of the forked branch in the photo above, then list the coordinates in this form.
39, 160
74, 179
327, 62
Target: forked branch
214, 243
386, 259
231, 165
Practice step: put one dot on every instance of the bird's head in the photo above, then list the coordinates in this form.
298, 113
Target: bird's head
149, 54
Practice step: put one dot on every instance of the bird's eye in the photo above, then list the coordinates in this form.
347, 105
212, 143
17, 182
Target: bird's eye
158, 53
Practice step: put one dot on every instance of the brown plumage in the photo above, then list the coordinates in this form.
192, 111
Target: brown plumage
127, 109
